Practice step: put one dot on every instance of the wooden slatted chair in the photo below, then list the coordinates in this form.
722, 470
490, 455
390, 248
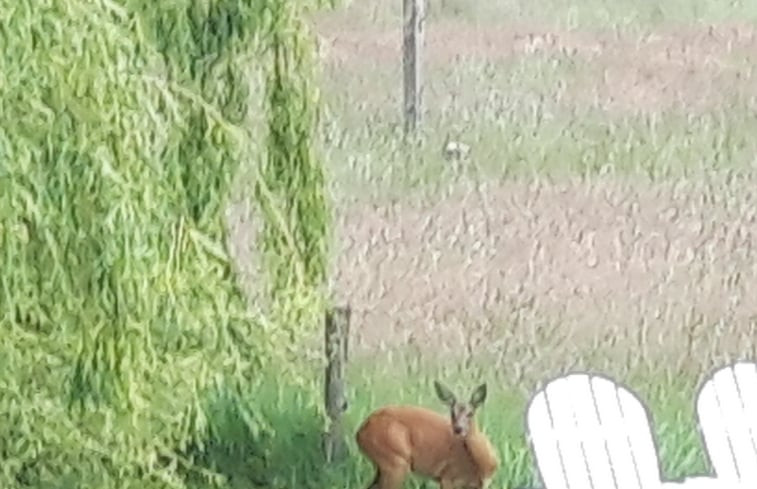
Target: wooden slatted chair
727, 412
588, 432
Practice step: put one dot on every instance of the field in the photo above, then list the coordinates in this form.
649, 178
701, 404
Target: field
604, 219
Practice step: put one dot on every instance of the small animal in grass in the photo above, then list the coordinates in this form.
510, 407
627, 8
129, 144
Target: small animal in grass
449, 449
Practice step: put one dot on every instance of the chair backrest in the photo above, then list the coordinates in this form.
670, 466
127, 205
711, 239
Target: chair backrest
587, 432
727, 412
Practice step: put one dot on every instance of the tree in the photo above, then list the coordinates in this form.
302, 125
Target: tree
123, 125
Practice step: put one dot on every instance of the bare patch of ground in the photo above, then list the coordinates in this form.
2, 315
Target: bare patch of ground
664, 270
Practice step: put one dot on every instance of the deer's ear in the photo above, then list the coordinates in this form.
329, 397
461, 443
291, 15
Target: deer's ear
479, 396
445, 395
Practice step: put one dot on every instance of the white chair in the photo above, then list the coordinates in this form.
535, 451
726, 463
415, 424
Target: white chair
587, 432
703, 483
727, 412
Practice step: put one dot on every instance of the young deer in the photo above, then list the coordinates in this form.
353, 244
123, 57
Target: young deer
451, 451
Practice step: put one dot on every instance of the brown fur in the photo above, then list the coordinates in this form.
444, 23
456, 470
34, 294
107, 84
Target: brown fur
403, 439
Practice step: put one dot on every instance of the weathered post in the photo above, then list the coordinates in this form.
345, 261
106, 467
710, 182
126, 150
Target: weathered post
413, 14
337, 333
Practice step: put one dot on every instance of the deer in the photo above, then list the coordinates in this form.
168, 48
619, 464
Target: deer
400, 439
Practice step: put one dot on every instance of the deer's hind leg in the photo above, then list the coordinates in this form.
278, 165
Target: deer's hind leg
391, 477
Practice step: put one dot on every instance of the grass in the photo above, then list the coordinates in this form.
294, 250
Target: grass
291, 456
560, 112
545, 145
566, 110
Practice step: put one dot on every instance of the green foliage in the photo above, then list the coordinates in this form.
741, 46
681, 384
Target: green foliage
119, 136
291, 187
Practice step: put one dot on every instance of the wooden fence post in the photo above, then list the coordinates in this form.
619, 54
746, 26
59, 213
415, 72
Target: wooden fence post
337, 334
413, 13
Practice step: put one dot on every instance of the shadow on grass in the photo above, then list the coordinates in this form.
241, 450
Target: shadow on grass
272, 440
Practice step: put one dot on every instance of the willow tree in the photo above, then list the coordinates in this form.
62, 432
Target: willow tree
123, 124
290, 189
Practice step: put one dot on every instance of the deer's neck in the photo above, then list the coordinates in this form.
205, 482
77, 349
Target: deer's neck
480, 451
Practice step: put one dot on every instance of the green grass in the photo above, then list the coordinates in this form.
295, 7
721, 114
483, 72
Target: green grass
567, 144
547, 114
289, 454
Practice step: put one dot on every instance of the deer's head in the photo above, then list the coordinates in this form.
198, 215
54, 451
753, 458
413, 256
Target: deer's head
461, 413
